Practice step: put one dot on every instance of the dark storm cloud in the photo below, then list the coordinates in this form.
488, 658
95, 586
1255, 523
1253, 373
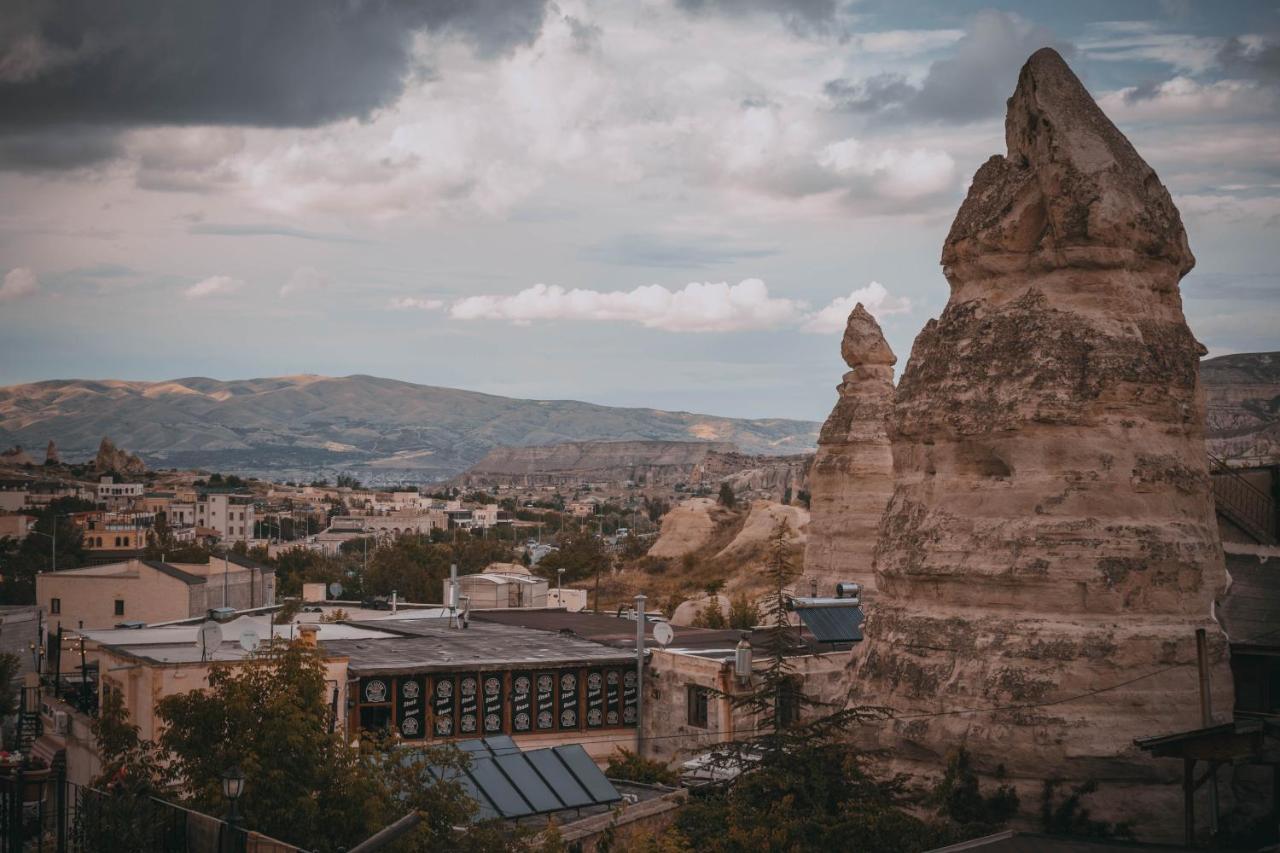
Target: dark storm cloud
1260, 63
799, 15
285, 63
870, 95
971, 84
67, 148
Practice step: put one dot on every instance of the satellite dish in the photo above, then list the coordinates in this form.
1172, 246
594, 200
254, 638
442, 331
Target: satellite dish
663, 633
209, 638
249, 641
335, 590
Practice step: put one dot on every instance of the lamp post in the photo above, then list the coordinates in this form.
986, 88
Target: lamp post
232, 788
640, 620
53, 556
560, 587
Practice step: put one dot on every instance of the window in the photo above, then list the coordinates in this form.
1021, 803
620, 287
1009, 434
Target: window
119, 606
698, 701
55, 605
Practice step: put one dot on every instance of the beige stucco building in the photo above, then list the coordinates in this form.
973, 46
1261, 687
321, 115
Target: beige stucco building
149, 591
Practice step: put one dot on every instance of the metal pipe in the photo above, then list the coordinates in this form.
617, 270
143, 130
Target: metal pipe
1206, 719
640, 621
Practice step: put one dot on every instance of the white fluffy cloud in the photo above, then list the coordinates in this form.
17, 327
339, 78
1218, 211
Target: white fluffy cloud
217, 285
892, 173
19, 282
304, 280
412, 303
874, 297
697, 307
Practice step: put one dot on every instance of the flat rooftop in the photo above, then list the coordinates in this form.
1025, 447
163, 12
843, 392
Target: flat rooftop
431, 644
620, 632
180, 643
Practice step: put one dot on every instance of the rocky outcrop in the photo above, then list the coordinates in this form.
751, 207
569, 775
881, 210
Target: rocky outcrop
111, 459
852, 474
1050, 547
16, 456
51, 454
1243, 393
761, 524
776, 478
688, 526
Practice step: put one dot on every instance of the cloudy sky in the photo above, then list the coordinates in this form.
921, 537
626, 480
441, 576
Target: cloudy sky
668, 203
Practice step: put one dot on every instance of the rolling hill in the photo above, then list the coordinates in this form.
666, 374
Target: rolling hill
296, 427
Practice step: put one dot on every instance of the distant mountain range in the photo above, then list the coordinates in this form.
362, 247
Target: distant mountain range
1243, 395
300, 427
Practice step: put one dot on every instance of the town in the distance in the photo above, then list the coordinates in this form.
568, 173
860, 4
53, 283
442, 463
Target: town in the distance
1020, 591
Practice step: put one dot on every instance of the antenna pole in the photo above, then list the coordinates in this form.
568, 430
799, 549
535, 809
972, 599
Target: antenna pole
640, 620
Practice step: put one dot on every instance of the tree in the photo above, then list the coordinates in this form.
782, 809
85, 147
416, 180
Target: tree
960, 800
10, 675
21, 561
743, 614
727, 498
580, 554
711, 615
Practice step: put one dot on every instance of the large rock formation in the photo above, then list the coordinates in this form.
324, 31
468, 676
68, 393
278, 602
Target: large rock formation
112, 459
852, 474
1050, 547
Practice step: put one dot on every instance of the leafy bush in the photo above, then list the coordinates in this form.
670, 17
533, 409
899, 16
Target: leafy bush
625, 765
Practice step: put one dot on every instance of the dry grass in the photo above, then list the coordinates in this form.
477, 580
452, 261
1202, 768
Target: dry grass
668, 582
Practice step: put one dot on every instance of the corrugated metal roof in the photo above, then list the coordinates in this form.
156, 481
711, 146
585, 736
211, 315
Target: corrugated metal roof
833, 624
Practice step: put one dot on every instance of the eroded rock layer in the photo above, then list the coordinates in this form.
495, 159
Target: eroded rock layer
852, 474
1051, 533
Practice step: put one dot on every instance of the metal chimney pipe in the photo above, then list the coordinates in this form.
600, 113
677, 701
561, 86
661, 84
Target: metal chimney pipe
453, 593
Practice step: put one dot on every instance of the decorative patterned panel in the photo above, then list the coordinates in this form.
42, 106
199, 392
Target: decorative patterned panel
569, 699
546, 686
595, 699
411, 703
522, 702
630, 695
375, 691
491, 702
444, 700
613, 692
468, 705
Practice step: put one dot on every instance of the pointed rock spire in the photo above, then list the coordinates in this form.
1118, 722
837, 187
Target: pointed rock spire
851, 477
1051, 527
1071, 190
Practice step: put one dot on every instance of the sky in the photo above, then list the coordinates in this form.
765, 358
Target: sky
659, 203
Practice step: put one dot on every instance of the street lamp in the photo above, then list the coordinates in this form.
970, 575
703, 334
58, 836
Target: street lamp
232, 788
53, 556
560, 587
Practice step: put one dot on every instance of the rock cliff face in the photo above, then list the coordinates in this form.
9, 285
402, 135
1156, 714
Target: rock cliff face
1051, 533
851, 478
1243, 392
114, 459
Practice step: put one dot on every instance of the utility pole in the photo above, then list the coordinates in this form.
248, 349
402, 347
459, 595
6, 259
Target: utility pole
640, 620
